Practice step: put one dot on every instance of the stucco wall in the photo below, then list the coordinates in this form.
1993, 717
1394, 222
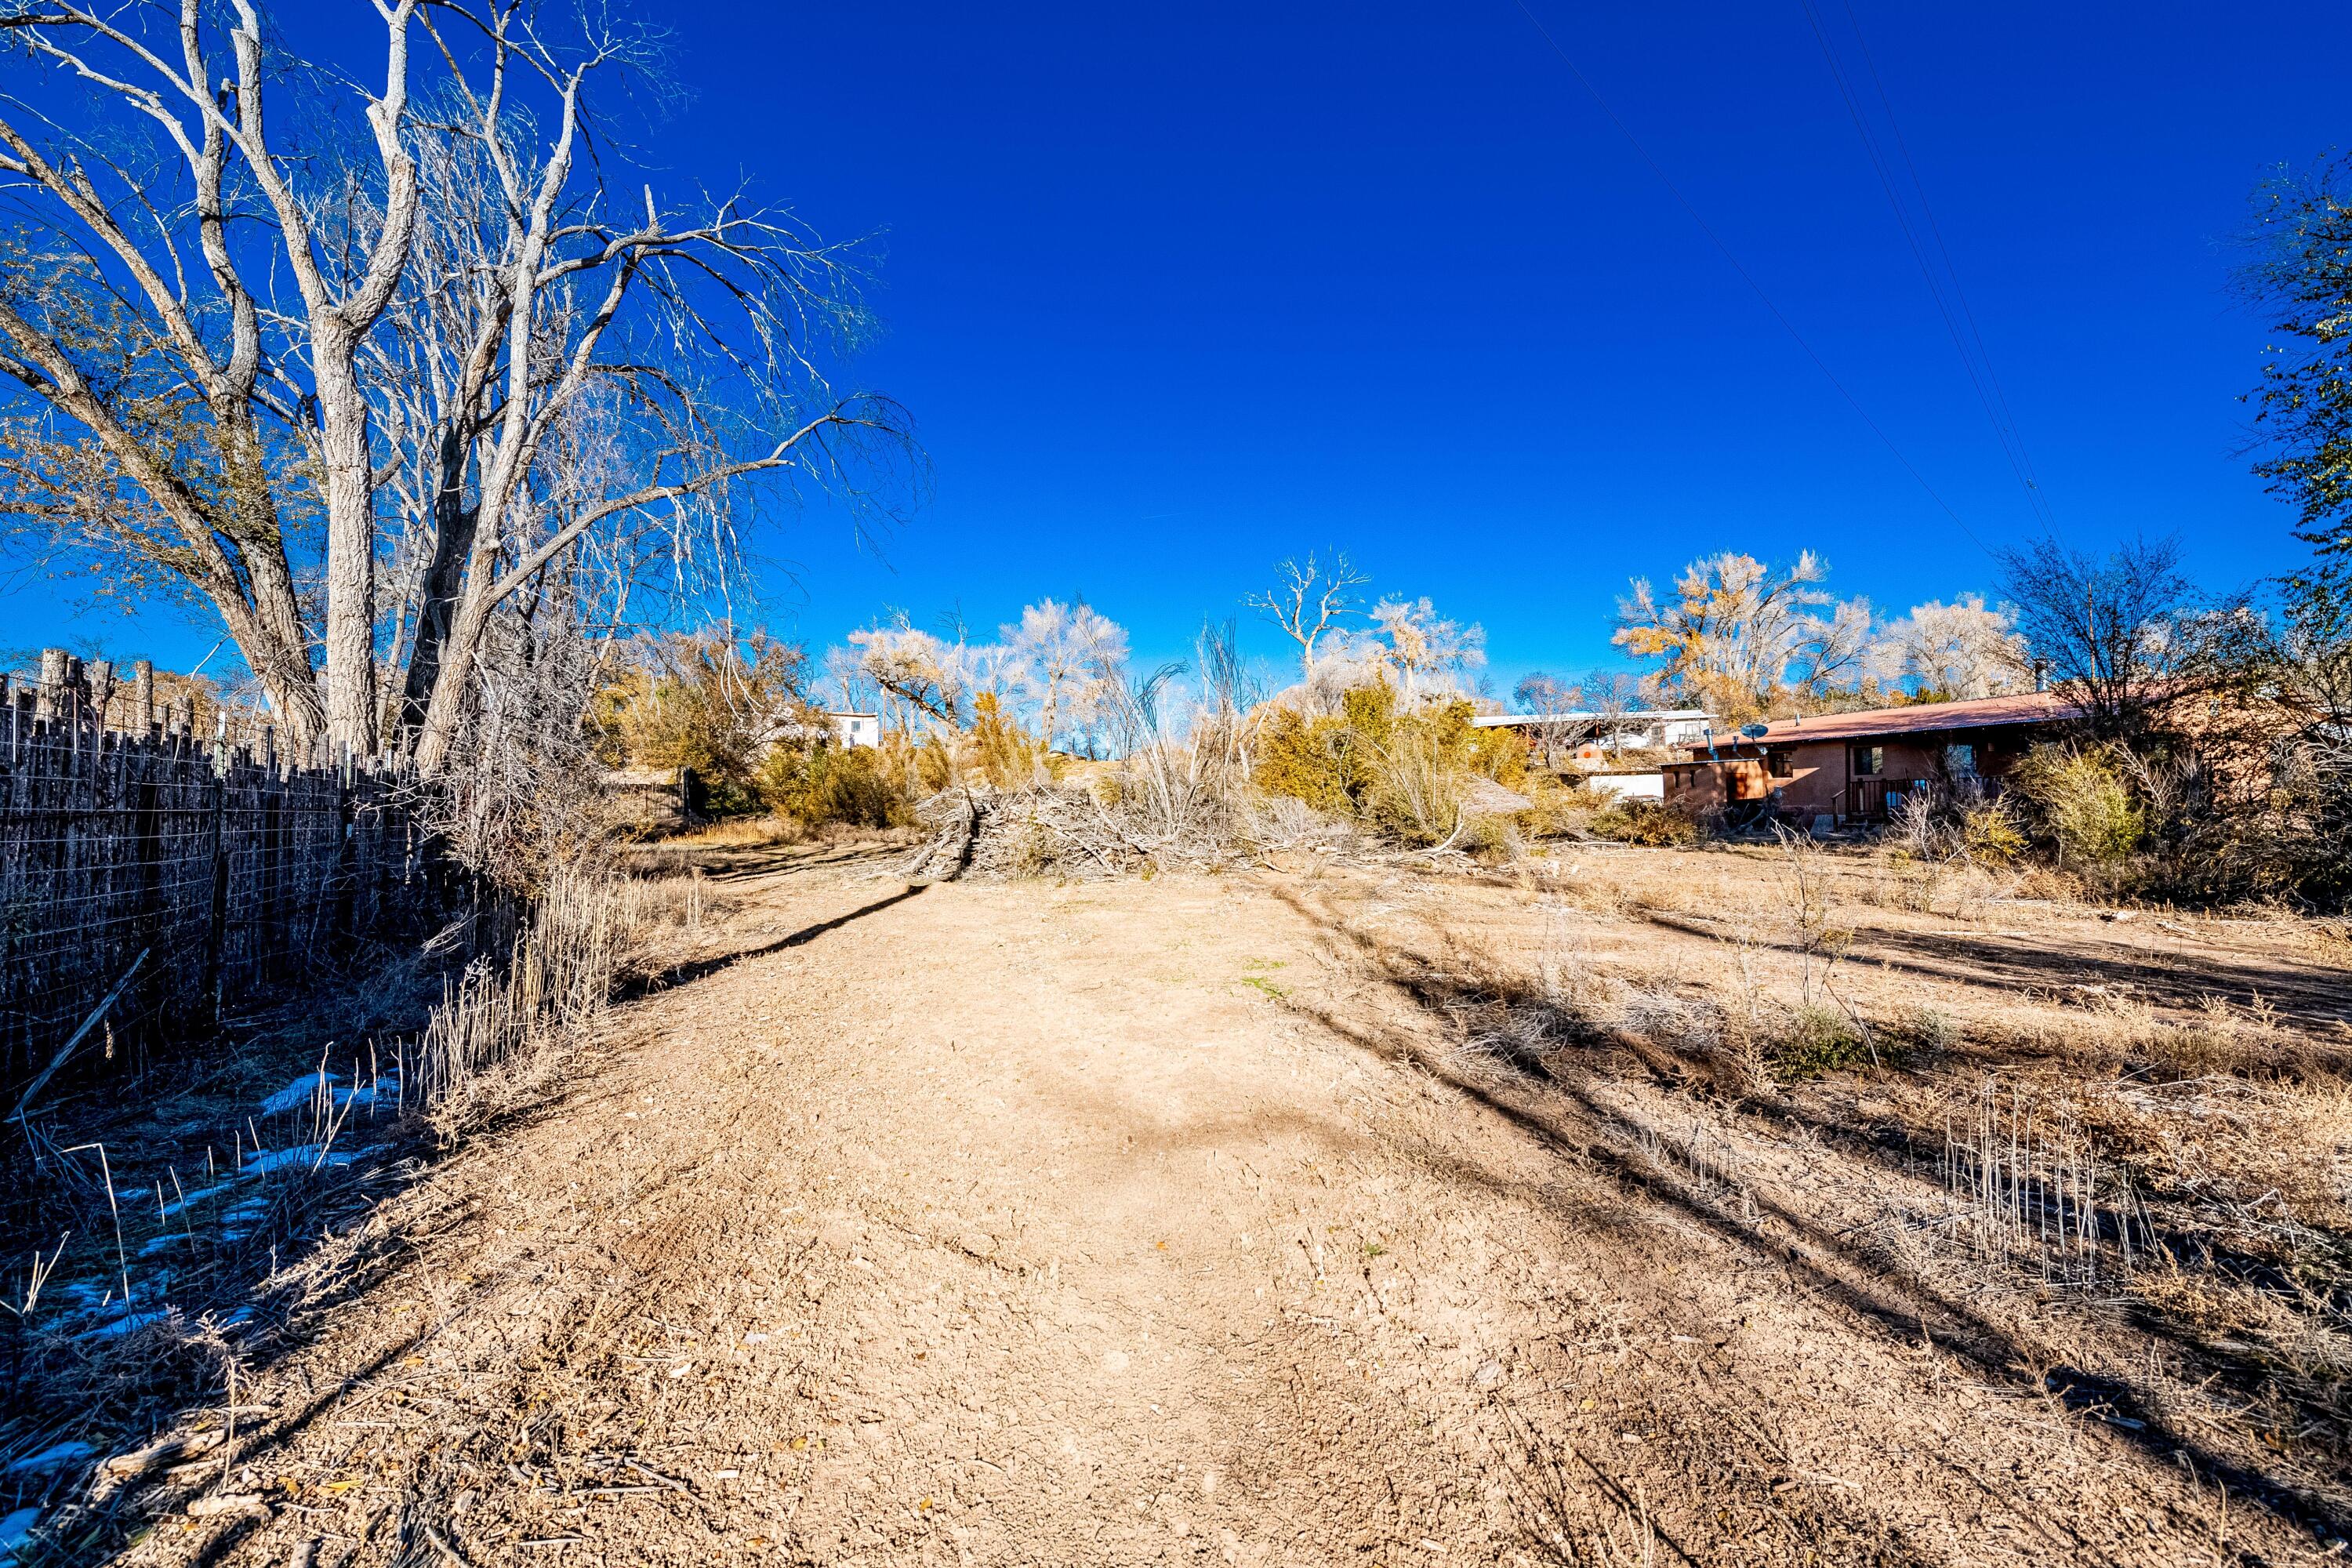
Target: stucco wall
1821, 772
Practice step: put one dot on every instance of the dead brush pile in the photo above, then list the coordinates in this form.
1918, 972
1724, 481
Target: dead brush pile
1080, 832
996, 835
1084, 832
1178, 799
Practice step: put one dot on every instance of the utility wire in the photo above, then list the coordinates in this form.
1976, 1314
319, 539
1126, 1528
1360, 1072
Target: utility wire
1747, 277
2005, 415
1879, 165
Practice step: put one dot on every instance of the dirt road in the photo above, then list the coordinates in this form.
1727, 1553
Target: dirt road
1116, 1224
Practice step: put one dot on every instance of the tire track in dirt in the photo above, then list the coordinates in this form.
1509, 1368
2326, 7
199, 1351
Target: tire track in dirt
1030, 1225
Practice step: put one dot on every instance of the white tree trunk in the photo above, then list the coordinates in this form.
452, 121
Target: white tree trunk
350, 554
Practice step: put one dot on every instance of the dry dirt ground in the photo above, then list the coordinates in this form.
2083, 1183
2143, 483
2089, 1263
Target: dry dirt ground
1171, 1221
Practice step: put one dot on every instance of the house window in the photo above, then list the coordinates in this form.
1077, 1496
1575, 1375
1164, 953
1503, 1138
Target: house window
1961, 758
1869, 762
1777, 763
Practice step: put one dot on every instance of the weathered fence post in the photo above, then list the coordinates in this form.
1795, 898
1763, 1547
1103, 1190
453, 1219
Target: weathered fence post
53, 681
237, 861
216, 919
102, 697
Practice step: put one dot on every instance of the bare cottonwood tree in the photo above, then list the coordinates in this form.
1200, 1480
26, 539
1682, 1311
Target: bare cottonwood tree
1422, 646
846, 683
1310, 600
922, 676
143, 308
1067, 654
1553, 723
1958, 651
496, 371
1609, 695
2114, 631
609, 363
1736, 633
1832, 650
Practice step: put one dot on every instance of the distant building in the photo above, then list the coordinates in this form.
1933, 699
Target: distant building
852, 730
1631, 785
1850, 767
1635, 727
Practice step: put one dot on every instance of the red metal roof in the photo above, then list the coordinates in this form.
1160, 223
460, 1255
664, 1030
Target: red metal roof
1915, 718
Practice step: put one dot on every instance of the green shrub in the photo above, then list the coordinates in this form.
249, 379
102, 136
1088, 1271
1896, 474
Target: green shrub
1929, 1029
1645, 822
1817, 1040
704, 702
1405, 773
855, 786
2084, 803
1327, 760
1990, 834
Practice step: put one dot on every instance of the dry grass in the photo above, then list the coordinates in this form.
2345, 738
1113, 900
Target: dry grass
501, 1025
2117, 1144
738, 833
205, 1210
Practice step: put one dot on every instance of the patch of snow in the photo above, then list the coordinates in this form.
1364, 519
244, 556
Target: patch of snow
56, 1457
193, 1199
304, 1089
17, 1529
300, 1156
298, 1093
119, 1326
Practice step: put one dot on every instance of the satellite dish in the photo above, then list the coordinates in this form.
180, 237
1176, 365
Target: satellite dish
1755, 731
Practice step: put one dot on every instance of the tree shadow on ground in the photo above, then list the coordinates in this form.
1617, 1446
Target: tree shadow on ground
2049, 965
1553, 1099
730, 863
686, 974
326, 1208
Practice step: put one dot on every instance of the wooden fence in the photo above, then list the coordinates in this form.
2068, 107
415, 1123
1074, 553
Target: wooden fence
221, 869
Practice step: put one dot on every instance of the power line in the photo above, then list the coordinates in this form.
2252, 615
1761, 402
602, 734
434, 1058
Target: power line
1747, 277
2016, 435
1979, 364
1911, 237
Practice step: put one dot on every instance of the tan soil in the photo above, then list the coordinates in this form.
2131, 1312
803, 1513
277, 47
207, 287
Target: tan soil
1135, 1221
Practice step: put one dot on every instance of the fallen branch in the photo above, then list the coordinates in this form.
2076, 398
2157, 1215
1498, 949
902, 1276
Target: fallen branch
25, 1102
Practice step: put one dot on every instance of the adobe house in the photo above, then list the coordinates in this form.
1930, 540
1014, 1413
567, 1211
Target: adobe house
1850, 766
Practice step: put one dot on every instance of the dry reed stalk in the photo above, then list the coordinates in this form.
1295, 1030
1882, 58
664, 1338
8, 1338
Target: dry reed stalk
558, 977
2025, 1182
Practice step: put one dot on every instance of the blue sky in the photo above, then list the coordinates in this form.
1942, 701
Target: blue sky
1174, 292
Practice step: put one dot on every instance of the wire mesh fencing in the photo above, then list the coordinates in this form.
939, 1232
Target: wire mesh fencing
157, 871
